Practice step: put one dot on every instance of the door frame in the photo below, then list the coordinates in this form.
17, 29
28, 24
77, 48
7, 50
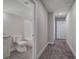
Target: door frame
35, 28
64, 17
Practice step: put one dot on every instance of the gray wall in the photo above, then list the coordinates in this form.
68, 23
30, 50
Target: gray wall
71, 29
42, 27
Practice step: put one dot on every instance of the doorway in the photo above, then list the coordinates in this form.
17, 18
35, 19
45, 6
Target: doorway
20, 23
60, 23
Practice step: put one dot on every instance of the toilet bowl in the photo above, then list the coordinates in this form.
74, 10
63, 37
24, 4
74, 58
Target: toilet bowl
20, 44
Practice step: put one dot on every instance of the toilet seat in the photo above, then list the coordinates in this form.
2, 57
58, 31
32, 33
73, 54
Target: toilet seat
22, 43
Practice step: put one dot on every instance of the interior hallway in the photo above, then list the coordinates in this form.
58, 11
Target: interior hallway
43, 14
58, 50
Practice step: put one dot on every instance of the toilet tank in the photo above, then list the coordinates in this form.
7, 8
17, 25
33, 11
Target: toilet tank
17, 38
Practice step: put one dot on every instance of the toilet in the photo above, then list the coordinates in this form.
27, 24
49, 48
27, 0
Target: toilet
20, 44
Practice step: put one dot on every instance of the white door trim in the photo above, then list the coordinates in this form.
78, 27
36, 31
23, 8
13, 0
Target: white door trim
35, 28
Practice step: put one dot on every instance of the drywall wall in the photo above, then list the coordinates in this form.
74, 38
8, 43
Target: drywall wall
12, 24
42, 28
50, 27
71, 29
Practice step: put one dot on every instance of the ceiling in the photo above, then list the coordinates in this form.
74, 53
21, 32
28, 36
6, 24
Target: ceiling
57, 5
19, 7
25, 7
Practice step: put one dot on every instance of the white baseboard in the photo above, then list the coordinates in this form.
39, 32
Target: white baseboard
71, 48
42, 51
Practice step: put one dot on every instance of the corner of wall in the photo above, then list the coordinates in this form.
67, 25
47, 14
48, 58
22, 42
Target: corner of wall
71, 48
42, 50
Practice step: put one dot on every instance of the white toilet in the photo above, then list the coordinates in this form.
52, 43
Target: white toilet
20, 44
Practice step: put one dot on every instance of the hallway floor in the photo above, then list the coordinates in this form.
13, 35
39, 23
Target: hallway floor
58, 50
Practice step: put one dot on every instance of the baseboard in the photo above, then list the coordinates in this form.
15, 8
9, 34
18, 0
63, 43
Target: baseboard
42, 51
71, 48
50, 42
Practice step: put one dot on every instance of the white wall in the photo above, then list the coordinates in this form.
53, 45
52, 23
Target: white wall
71, 29
42, 28
50, 28
12, 24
